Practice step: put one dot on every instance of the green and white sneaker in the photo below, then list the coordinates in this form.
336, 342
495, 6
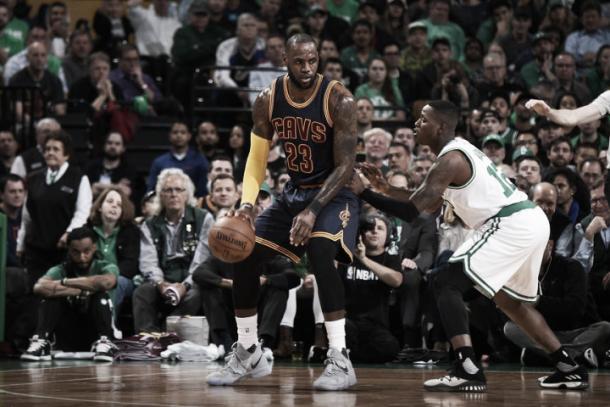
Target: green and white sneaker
241, 364
338, 372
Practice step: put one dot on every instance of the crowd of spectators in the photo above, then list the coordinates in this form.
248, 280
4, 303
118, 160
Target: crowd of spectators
82, 244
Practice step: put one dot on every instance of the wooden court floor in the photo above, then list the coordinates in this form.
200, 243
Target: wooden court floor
157, 384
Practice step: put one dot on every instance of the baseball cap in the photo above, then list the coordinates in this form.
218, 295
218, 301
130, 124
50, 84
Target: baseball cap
522, 152
418, 24
199, 7
541, 35
316, 9
490, 113
493, 137
265, 190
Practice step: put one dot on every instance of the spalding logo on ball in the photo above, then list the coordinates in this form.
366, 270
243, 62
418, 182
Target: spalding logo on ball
231, 239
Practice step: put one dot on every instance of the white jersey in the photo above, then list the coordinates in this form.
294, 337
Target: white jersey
602, 103
486, 192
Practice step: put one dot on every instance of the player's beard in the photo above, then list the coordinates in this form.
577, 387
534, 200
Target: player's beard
296, 82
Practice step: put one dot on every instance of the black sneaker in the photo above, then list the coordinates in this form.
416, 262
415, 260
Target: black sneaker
39, 349
104, 350
458, 380
431, 358
577, 379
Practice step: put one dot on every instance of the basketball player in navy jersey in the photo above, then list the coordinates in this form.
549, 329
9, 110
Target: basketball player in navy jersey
315, 120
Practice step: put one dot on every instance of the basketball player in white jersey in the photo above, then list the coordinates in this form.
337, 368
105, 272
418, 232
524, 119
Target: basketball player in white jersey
595, 110
502, 259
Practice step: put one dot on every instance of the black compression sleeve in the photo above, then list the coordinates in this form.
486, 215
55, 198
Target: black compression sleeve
403, 210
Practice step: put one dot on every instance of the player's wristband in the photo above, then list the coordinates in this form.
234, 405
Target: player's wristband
315, 207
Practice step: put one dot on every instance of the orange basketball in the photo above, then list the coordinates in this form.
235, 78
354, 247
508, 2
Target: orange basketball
231, 239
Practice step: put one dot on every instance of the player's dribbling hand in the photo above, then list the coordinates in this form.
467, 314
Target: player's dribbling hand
246, 212
302, 225
538, 106
374, 176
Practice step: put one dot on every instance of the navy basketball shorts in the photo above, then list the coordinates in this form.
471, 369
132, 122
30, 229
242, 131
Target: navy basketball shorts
337, 221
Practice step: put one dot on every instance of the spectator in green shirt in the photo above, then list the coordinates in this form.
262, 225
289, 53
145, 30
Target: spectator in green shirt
439, 26
76, 292
12, 34
358, 56
417, 54
541, 67
382, 91
598, 77
345, 9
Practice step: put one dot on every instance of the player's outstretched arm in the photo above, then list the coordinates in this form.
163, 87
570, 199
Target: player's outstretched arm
343, 114
565, 117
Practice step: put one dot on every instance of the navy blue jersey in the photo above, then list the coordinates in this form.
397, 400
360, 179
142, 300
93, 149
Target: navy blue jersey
305, 131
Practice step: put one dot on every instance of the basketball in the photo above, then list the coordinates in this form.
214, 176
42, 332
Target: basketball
231, 239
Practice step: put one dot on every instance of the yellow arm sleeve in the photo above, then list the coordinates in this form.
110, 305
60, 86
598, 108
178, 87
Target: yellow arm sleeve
256, 164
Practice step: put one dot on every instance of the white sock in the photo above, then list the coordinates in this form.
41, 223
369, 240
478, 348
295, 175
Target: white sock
247, 332
336, 333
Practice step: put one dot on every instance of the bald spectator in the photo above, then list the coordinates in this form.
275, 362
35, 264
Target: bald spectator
154, 27
591, 169
36, 74
376, 146
20, 60
563, 231
76, 62
495, 77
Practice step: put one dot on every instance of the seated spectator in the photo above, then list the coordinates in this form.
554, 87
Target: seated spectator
590, 133
76, 62
245, 49
598, 78
495, 78
473, 59
221, 164
431, 74
564, 68
406, 136
473, 126
498, 24
439, 26
539, 69
207, 140
321, 26
563, 304
376, 145
174, 243
130, 78
112, 169
12, 194
360, 55
518, 41
560, 154
154, 27
112, 28
455, 87
57, 21
593, 250
585, 43
76, 295
32, 159
183, 157
564, 233
590, 169
382, 91
12, 33
493, 147
223, 194
117, 239
58, 201
95, 92
274, 52
19, 61
364, 119
572, 193
399, 157
420, 166
500, 103
416, 54
194, 46
559, 16
36, 74
8, 151
237, 144
584, 151
215, 279
368, 282
527, 165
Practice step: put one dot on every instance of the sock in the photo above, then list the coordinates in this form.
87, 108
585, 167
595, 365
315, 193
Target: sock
247, 333
466, 355
563, 361
335, 330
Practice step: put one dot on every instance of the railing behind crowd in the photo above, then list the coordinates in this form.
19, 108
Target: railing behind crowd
20, 107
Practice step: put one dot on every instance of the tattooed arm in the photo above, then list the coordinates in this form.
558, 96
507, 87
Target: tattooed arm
344, 149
